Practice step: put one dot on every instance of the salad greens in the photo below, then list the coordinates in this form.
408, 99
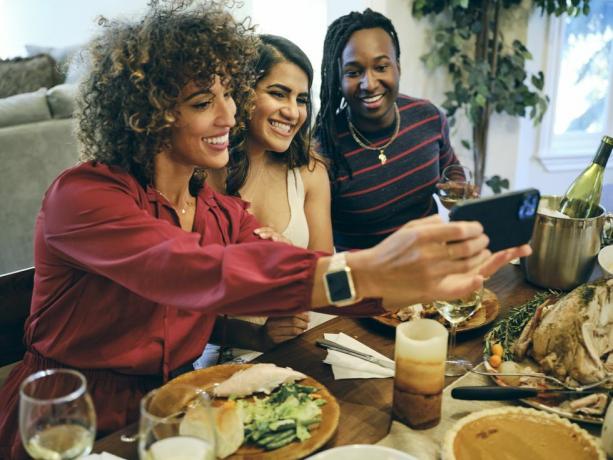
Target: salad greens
276, 420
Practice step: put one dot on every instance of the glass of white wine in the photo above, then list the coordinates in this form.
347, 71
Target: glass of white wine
455, 312
176, 423
456, 185
57, 419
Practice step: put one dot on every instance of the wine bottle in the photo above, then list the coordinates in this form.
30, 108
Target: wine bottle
583, 196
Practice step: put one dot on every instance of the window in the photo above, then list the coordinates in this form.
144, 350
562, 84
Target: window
580, 73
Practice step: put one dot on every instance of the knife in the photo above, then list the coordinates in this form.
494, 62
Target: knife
324, 343
493, 393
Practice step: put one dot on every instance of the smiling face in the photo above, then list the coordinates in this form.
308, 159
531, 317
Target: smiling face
370, 76
200, 134
281, 103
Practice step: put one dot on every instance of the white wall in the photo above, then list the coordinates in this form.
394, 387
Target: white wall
56, 22
511, 149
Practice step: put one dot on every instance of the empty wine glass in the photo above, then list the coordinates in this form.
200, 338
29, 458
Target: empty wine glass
56, 415
455, 185
455, 312
176, 424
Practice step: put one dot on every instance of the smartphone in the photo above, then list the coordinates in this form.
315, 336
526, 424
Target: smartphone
507, 219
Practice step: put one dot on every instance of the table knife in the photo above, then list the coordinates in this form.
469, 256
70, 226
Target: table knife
324, 343
494, 393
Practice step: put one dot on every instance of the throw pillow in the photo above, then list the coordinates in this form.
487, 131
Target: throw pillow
23, 75
63, 56
61, 99
24, 108
79, 67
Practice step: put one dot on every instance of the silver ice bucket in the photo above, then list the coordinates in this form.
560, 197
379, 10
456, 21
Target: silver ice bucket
564, 250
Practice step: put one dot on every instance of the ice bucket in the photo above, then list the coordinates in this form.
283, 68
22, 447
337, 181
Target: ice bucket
564, 250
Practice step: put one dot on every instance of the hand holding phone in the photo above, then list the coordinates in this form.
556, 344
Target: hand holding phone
507, 219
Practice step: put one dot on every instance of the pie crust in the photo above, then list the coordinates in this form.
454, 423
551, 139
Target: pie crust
518, 433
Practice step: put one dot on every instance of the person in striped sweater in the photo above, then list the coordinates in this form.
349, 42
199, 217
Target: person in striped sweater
386, 150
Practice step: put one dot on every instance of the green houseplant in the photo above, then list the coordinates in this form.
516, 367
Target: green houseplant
487, 73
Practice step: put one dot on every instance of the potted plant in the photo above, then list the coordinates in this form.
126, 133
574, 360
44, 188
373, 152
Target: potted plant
487, 73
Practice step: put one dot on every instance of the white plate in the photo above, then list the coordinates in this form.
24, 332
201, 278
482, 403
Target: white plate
361, 452
605, 260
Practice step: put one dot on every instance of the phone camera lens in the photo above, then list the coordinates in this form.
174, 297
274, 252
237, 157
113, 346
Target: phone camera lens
528, 207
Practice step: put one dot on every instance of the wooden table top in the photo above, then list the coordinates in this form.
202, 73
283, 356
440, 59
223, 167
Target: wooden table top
365, 403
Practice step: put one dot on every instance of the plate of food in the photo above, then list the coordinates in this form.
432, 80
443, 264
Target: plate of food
486, 314
263, 412
568, 337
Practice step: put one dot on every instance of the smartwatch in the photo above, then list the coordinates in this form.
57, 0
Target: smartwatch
338, 281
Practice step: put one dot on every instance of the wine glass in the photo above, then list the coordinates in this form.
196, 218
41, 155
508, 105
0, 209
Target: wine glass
56, 415
176, 424
455, 312
455, 185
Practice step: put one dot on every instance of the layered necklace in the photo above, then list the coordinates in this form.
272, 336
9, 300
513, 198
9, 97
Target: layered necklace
363, 142
182, 210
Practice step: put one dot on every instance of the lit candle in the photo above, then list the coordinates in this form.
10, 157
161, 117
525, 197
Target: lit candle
421, 349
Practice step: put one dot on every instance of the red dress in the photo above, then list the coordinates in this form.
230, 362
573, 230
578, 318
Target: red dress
122, 293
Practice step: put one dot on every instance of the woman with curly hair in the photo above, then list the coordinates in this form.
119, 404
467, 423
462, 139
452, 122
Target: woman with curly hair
136, 256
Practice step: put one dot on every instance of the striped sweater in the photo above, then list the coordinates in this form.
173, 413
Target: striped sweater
380, 198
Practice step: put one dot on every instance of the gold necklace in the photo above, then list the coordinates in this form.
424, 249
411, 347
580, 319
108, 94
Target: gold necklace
188, 204
356, 137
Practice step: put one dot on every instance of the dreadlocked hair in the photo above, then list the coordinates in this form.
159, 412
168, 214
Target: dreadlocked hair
128, 103
331, 96
273, 50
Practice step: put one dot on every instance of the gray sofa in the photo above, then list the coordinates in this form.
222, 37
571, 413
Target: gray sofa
36, 143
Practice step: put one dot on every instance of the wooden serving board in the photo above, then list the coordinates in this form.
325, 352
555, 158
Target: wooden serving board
330, 413
485, 315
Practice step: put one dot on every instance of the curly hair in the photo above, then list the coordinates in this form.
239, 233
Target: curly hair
273, 50
128, 103
331, 97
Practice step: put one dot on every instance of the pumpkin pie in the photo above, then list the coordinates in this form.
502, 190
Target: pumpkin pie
518, 433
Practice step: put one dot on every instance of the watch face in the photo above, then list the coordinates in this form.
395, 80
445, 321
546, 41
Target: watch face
338, 285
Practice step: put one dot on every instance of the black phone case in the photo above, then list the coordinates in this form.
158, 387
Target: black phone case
507, 219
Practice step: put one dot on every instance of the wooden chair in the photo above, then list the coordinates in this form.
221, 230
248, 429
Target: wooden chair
15, 296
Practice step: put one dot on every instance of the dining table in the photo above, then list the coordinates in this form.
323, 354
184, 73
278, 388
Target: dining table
365, 404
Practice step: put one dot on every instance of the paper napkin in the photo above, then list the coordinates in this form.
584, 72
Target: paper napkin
345, 366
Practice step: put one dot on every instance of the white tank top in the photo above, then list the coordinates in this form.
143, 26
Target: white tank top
297, 230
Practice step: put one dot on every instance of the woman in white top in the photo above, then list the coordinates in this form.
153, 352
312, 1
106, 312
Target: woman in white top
273, 165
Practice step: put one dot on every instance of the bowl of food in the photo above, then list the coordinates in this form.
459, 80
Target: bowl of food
605, 260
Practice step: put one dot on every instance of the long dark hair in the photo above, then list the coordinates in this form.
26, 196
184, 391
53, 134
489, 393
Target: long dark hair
127, 105
331, 96
273, 50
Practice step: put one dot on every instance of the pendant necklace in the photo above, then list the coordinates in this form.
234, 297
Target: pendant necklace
358, 136
183, 210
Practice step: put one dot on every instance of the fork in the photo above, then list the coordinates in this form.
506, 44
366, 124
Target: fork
558, 382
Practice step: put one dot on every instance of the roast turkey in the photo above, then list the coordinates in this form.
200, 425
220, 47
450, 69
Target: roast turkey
571, 339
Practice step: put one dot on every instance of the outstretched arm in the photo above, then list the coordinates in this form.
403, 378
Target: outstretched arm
423, 261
